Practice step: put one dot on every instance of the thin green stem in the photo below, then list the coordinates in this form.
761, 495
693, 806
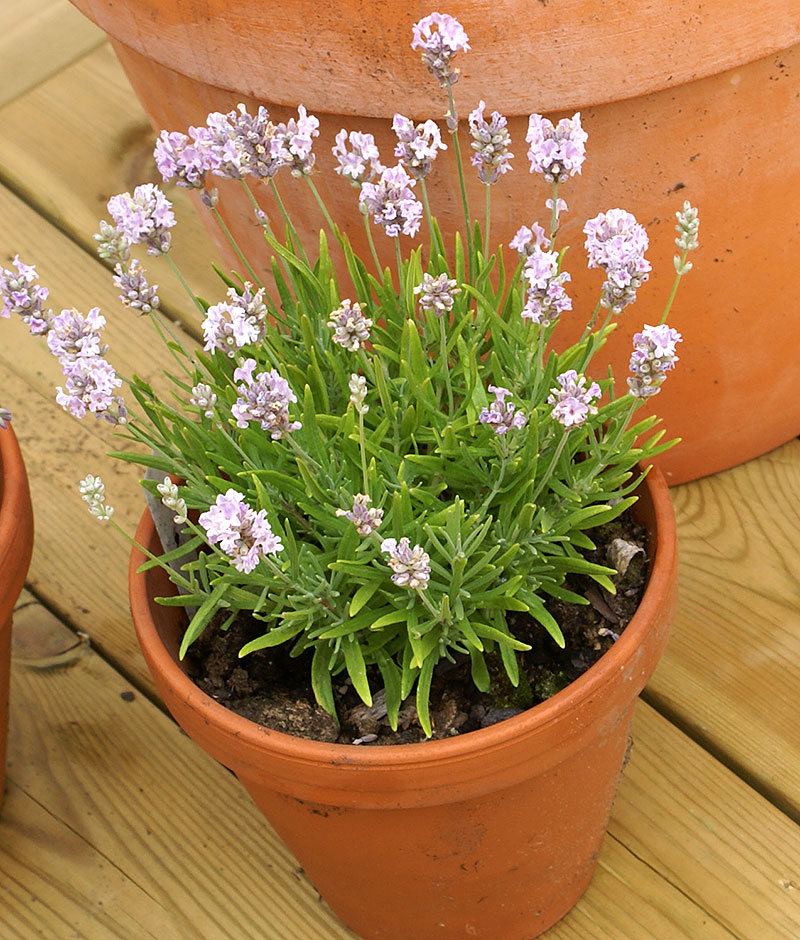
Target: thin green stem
161, 330
378, 268
435, 241
551, 467
363, 444
674, 290
258, 210
233, 243
488, 221
445, 363
176, 271
428, 604
554, 215
592, 320
292, 230
460, 166
323, 208
398, 255
499, 476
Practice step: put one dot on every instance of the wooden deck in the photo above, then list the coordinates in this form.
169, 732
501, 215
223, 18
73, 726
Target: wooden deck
116, 826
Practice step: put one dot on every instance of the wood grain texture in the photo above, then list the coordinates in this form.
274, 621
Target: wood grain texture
75, 141
731, 672
139, 818
38, 39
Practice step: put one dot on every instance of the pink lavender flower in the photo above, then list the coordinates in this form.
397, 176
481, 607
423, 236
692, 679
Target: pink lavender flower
172, 500
365, 520
411, 566
93, 492
90, 385
144, 218
204, 397
392, 203
653, 356
245, 144
528, 239
418, 145
239, 321
296, 138
21, 295
265, 399
437, 293
556, 152
358, 393
362, 161
350, 326
546, 299
501, 415
72, 335
561, 206
440, 37
112, 245
616, 242
136, 292
572, 401
186, 159
242, 533
490, 141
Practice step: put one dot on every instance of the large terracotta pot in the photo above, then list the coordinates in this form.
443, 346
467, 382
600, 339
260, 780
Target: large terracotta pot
682, 99
16, 545
494, 834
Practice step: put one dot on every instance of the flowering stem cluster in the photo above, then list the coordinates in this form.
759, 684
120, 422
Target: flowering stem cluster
379, 469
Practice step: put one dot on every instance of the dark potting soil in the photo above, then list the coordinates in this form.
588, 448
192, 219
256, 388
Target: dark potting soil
274, 690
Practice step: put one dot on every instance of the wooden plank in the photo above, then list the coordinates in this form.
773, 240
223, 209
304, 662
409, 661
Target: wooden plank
731, 673
692, 853
39, 38
73, 142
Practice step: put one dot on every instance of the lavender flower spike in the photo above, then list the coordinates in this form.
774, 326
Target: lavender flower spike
93, 492
239, 321
528, 239
144, 218
136, 292
365, 520
350, 326
438, 293
411, 566
616, 242
417, 145
502, 415
362, 162
392, 203
170, 498
242, 533
296, 138
556, 152
546, 299
440, 37
358, 393
186, 159
21, 295
90, 385
72, 335
490, 141
653, 356
572, 401
265, 398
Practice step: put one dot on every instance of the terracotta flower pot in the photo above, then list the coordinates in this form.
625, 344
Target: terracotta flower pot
494, 834
16, 545
682, 99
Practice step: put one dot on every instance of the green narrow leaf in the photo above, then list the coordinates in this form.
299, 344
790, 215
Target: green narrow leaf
362, 596
424, 693
321, 678
200, 620
391, 683
356, 668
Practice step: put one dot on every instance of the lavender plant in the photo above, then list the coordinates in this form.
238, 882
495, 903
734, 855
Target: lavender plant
377, 469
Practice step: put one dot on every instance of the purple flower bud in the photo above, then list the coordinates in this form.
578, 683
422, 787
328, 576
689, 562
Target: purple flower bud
546, 299
653, 356
21, 295
90, 385
437, 293
502, 415
417, 145
186, 159
572, 401
363, 160
264, 398
239, 321
556, 152
440, 37
136, 292
144, 218
242, 533
392, 203
411, 566
490, 141
296, 138
204, 397
350, 326
72, 335
616, 242
365, 520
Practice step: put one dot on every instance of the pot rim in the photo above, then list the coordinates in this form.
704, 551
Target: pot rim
16, 522
589, 686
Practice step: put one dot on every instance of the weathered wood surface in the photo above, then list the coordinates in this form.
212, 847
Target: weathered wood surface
38, 39
116, 825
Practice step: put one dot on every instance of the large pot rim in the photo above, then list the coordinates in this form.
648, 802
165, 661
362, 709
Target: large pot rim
16, 522
589, 689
